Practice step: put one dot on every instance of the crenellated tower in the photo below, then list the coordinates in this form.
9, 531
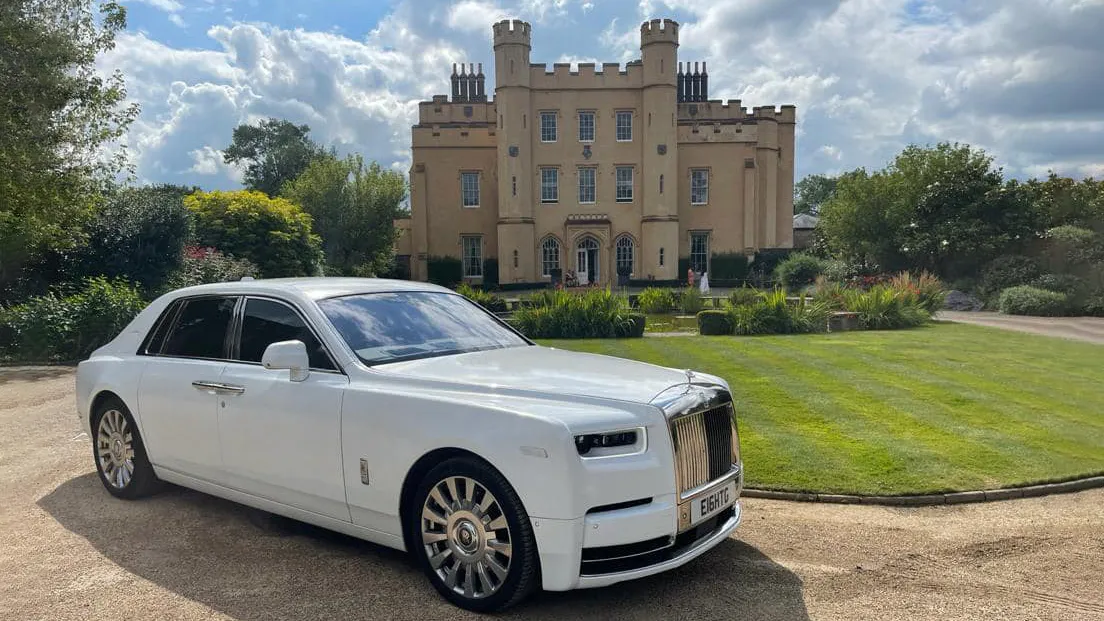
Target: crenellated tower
516, 236
659, 162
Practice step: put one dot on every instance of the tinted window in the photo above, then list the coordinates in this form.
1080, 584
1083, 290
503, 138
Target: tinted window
201, 328
156, 339
267, 322
389, 327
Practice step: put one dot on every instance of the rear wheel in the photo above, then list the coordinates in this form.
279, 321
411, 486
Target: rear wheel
473, 537
120, 455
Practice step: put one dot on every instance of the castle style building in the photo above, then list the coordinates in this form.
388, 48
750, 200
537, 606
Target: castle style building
594, 176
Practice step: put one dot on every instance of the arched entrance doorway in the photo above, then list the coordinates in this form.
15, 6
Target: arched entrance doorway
586, 261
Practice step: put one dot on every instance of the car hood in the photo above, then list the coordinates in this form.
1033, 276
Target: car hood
547, 370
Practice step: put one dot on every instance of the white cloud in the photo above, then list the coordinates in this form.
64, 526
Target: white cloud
169, 6
177, 20
831, 152
475, 16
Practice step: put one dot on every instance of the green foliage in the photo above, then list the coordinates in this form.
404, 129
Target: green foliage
353, 209
657, 300
634, 327
1028, 300
925, 289
200, 266
690, 301
744, 296
444, 271
55, 327
1094, 304
713, 322
1064, 201
728, 266
597, 313
273, 233
274, 151
812, 192
57, 112
798, 270
1068, 284
774, 314
1007, 271
885, 308
830, 293
487, 300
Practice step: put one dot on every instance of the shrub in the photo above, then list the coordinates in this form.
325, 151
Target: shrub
598, 313
885, 308
926, 289
273, 233
56, 327
744, 296
655, 300
714, 322
1028, 300
487, 300
444, 271
205, 265
1094, 305
1068, 284
635, 326
1007, 271
728, 266
691, 301
829, 293
764, 264
798, 270
773, 314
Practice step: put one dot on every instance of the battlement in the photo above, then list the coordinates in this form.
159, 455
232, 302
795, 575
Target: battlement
659, 31
512, 31
586, 76
733, 109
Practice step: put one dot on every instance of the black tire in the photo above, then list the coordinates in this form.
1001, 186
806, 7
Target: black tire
143, 482
523, 571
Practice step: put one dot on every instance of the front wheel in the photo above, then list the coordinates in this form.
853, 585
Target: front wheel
473, 537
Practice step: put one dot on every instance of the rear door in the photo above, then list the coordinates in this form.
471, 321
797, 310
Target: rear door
281, 440
177, 394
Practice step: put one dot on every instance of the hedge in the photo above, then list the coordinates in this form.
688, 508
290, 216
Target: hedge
714, 322
1028, 300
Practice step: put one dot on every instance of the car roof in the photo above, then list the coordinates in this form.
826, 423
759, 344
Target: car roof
314, 288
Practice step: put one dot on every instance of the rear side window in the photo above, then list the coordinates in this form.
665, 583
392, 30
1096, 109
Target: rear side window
266, 322
200, 330
156, 339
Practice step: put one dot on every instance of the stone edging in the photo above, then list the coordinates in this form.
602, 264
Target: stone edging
950, 498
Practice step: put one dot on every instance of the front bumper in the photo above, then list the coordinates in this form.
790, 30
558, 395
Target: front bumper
634, 542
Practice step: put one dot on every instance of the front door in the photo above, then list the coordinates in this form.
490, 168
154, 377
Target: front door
581, 266
587, 261
281, 440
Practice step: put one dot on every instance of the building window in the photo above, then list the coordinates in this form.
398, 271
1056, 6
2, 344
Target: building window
587, 185
515, 258
550, 256
473, 255
548, 127
586, 127
699, 252
661, 184
661, 257
624, 254
513, 181
624, 184
469, 188
550, 185
624, 126
699, 186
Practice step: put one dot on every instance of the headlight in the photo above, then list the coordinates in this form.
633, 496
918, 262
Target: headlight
612, 443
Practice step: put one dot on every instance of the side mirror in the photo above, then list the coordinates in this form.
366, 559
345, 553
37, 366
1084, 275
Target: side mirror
291, 355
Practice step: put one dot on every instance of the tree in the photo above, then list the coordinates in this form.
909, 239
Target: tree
57, 115
812, 192
273, 233
1062, 201
274, 152
354, 207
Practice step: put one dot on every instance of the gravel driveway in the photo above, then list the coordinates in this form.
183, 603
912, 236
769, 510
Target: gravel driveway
1089, 329
71, 551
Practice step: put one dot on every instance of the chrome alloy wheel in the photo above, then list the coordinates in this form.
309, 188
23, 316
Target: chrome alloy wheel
466, 537
115, 449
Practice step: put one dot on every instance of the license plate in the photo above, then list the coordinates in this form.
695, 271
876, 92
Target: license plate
705, 507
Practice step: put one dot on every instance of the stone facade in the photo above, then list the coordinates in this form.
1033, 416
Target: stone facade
594, 170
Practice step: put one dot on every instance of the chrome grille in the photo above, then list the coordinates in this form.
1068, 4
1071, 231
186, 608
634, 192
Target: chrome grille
706, 445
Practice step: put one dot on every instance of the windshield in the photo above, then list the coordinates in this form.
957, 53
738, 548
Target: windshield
404, 325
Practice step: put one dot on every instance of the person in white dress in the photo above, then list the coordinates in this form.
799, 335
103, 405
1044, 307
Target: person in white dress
704, 287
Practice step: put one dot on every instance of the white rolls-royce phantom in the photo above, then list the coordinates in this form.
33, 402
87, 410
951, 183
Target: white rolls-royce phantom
404, 414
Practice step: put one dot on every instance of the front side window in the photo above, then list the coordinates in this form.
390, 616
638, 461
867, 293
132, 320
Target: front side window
550, 256
548, 126
699, 186
266, 322
624, 126
472, 255
392, 327
550, 185
469, 188
699, 252
200, 330
587, 186
624, 184
625, 255
586, 127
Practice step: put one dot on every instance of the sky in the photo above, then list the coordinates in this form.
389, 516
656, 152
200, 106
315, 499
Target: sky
1023, 79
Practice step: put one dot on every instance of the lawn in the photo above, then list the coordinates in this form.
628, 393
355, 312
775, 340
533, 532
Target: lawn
940, 408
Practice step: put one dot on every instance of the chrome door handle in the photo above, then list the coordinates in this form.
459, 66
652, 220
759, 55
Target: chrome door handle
219, 387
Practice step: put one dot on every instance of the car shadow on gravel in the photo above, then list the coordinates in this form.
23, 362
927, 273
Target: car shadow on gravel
250, 565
